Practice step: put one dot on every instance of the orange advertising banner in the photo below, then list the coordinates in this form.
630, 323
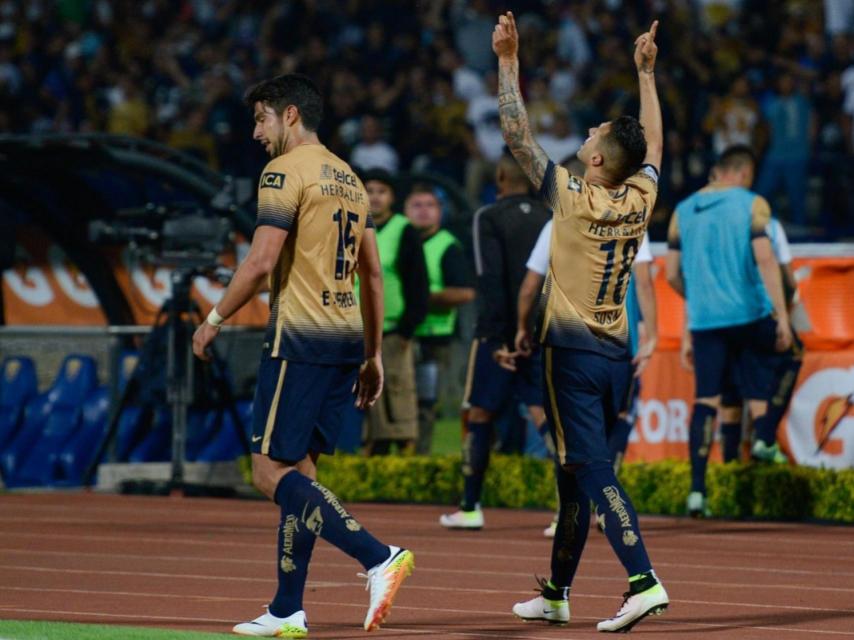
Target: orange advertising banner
817, 431
44, 287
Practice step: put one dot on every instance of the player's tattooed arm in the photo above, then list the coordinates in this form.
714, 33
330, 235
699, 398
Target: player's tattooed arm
511, 108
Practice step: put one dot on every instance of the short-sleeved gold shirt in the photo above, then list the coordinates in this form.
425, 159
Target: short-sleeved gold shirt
317, 197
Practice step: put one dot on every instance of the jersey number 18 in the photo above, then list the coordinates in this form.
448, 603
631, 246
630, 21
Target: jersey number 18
630, 250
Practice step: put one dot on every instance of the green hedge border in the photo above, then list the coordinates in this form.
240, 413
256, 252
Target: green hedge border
735, 490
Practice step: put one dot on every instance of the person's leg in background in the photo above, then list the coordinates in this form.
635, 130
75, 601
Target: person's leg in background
796, 181
711, 354
487, 385
771, 174
731, 416
394, 417
769, 379
429, 362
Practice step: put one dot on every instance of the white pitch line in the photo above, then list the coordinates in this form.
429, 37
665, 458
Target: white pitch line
541, 545
478, 538
409, 587
466, 572
439, 554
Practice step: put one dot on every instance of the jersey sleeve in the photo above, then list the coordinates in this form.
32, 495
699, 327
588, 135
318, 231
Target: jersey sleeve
760, 216
562, 191
645, 251
538, 262
673, 239
279, 194
780, 242
645, 183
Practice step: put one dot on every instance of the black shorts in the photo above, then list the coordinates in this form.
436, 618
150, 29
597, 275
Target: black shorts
300, 407
741, 355
732, 396
489, 386
585, 392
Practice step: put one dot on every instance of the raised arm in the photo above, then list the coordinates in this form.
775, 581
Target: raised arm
650, 110
511, 108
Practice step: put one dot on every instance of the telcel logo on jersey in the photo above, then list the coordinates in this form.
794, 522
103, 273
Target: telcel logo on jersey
820, 428
272, 180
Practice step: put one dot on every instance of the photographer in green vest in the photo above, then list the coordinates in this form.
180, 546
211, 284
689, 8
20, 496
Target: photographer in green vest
451, 285
393, 420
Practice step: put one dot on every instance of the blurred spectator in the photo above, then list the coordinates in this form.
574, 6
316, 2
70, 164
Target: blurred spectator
482, 115
146, 68
790, 122
560, 142
372, 152
732, 119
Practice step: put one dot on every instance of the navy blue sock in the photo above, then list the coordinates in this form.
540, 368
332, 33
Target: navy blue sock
618, 440
700, 443
573, 524
296, 544
475, 461
318, 510
785, 377
598, 481
731, 440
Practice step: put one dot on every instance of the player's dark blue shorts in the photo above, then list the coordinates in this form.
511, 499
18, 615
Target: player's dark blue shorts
786, 367
488, 385
585, 392
743, 353
300, 407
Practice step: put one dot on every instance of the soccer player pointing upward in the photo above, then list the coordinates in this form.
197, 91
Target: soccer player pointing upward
599, 222
312, 233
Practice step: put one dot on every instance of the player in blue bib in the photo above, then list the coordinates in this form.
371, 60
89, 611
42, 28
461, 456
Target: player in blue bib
721, 261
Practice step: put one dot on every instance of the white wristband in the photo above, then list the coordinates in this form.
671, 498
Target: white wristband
214, 319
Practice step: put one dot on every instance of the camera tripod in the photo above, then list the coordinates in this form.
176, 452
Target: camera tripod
178, 318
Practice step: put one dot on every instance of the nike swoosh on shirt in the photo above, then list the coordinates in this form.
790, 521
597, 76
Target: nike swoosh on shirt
700, 209
257, 438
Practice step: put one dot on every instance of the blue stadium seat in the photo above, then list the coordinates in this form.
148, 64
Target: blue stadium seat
35, 415
225, 444
77, 378
156, 443
201, 428
18, 385
81, 449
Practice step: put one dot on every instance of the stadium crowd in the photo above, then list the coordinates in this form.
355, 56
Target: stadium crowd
416, 89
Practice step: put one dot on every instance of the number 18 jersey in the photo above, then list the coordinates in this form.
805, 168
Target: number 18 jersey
596, 235
319, 200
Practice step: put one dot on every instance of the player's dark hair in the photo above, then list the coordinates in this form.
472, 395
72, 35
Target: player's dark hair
423, 187
290, 89
736, 157
626, 148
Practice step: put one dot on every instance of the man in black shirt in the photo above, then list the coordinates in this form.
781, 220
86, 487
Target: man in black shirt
394, 417
504, 235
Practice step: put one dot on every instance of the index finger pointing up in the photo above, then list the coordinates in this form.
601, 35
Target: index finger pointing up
653, 29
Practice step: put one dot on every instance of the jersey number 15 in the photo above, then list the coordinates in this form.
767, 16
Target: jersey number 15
346, 243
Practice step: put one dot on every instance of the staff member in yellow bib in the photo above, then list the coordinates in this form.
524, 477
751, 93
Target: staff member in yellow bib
450, 287
394, 418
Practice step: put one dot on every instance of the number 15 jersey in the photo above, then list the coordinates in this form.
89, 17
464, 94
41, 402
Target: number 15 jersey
319, 200
595, 238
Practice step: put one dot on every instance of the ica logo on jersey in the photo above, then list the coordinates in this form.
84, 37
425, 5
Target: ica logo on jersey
272, 180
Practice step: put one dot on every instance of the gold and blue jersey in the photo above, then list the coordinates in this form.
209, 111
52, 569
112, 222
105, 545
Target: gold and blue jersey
319, 200
596, 235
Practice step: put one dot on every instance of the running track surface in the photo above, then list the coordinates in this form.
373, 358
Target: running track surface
204, 564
